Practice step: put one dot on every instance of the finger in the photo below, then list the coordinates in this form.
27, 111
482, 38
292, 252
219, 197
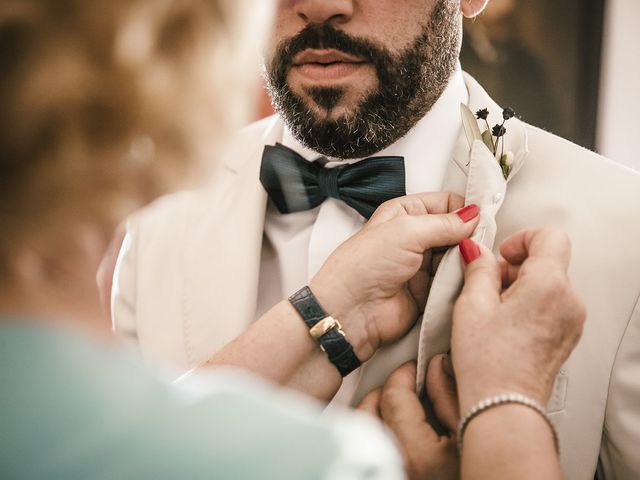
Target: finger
420, 284
403, 377
402, 412
447, 366
442, 392
548, 243
439, 230
427, 261
371, 402
437, 258
482, 276
419, 289
399, 402
509, 273
417, 204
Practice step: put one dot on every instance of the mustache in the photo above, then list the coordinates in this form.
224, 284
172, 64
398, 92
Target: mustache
325, 36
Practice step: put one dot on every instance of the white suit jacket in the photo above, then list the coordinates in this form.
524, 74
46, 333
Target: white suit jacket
187, 275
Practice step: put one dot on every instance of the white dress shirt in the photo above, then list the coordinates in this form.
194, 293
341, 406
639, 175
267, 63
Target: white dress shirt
297, 244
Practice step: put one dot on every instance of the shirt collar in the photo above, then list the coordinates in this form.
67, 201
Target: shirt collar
426, 148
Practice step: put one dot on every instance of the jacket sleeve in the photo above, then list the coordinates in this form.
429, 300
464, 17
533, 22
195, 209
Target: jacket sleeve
123, 293
619, 454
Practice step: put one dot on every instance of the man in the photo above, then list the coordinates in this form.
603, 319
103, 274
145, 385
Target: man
358, 78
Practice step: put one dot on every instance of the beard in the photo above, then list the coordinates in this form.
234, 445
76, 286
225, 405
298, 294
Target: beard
409, 83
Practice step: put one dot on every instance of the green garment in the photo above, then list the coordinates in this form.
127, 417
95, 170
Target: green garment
73, 408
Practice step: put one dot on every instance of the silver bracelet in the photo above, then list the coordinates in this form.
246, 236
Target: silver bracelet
497, 400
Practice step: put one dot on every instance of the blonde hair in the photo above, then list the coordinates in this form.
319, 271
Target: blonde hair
109, 103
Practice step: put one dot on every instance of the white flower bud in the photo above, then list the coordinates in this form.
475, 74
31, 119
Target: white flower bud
508, 159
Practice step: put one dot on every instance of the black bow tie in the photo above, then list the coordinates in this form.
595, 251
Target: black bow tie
295, 184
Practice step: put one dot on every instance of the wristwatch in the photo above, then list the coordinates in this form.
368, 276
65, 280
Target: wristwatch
325, 330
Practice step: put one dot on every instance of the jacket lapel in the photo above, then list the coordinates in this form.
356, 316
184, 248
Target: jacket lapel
224, 249
474, 173
486, 187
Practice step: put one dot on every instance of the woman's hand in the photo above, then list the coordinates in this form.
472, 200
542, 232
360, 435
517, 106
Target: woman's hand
376, 282
427, 455
516, 321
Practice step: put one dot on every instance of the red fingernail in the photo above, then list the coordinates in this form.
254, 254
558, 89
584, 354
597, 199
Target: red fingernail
469, 250
468, 213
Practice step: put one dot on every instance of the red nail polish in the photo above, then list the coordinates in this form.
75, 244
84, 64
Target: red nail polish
468, 213
469, 250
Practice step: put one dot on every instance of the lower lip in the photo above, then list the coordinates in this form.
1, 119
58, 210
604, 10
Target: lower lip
331, 71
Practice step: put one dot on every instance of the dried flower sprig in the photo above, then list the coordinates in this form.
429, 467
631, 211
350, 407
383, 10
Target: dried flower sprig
493, 138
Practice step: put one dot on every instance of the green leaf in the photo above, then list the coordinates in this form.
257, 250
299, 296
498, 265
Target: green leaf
470, 125
506, 170
488, 140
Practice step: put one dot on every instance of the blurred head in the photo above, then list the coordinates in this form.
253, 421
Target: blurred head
107, 104
351, 77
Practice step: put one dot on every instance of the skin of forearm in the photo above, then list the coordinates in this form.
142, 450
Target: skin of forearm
278, 347
305, 379
509, 441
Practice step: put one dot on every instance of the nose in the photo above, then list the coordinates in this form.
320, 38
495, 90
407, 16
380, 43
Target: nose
322, 11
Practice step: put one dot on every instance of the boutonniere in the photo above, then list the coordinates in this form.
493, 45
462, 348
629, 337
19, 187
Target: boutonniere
493, 138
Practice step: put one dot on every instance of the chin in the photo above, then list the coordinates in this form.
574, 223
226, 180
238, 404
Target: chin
322, 114
345, 106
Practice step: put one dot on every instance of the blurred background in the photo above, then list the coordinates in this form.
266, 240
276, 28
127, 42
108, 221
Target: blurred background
541, 57
571, 67
568, 66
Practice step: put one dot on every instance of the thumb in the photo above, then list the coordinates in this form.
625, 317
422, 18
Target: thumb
482, 274
432, 231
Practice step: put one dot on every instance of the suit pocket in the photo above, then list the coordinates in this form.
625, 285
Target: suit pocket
559, 394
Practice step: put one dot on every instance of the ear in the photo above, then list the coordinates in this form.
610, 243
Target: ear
472, 8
